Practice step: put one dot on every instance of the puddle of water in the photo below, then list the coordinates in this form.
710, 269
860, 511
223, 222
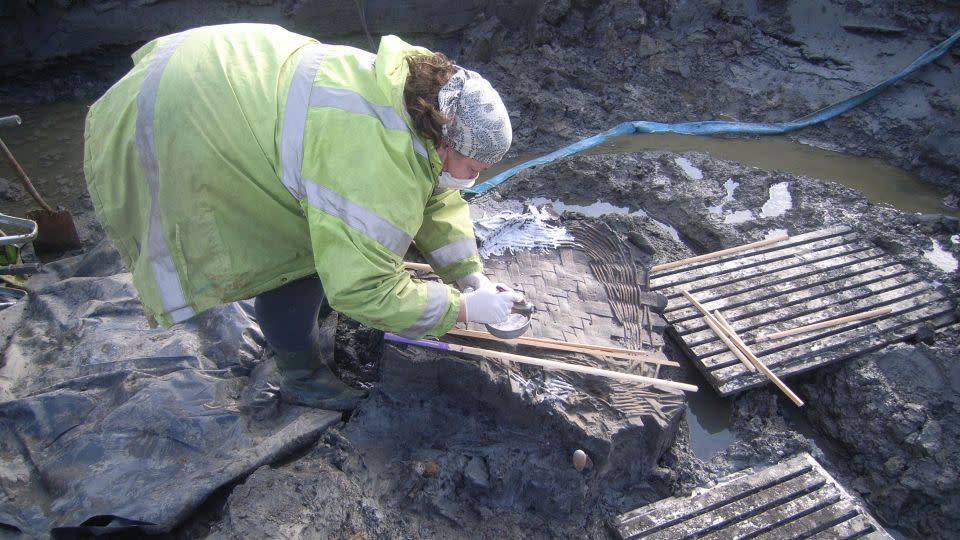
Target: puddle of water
779, 202
943, 259
596, 209
879, 182
49, 145
688, 169
708, 416
731, 188
740, 216
601, 208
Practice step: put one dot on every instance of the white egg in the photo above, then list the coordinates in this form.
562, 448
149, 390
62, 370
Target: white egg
579, 459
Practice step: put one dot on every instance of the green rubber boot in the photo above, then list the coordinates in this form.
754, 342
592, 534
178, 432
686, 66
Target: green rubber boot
307, 380
306, 377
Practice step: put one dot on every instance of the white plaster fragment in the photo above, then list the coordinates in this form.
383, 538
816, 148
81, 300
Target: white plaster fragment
772, 233
510, 231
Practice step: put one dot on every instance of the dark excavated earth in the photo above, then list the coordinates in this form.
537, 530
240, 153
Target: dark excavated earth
455, 446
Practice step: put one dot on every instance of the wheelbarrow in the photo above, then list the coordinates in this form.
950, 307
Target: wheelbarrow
21, 232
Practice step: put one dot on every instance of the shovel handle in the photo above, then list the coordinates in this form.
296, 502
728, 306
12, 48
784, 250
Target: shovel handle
27, 184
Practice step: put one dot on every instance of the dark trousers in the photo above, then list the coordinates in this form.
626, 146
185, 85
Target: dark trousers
288, 315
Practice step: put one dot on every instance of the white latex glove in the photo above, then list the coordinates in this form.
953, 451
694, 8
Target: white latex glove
475, 281
487, 305
516, 295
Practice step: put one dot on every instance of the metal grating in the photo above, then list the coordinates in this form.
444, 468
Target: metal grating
793, 499
806, 279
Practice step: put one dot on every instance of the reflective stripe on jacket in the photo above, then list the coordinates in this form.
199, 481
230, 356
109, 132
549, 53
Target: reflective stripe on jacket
232, 159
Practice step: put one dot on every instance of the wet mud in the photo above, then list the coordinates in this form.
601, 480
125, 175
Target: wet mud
446, 448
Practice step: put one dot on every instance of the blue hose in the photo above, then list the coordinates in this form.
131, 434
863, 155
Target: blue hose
716, 127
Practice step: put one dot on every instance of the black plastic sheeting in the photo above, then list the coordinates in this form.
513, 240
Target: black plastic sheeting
108, 425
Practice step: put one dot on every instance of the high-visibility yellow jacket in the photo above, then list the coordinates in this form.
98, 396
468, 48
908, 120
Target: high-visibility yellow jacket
233, 159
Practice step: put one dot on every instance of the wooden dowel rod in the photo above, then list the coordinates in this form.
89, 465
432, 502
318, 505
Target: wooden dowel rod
586, 346
825, 324
419, 267
765, 370
543, 343
728, 330
722, 252
617, 352
734, 342
715, 326
548, 364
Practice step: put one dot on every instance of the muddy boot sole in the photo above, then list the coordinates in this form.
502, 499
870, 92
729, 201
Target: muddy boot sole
345, 399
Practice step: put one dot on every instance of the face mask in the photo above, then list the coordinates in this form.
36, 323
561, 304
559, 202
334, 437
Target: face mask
449, 181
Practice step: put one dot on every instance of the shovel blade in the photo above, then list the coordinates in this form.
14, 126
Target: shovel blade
56, 231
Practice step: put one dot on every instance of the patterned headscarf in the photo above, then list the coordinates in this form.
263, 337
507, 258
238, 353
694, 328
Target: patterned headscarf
480, 126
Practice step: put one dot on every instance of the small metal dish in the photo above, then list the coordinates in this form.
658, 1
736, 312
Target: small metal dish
516, 324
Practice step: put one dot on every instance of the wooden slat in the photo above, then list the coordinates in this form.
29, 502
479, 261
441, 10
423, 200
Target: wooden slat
780, 515
668, 512
751, 261
838, 349
795, 498
791, 306
814, 310
762, 277
810, 278
778, 284
417, 267
662, 277
691, 261
905, 310
808, 328
860, 527
741, 350
740, 306
585, 348
842, 512
742, 508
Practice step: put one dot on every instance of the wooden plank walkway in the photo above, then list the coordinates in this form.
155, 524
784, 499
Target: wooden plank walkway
795, 498
805, 279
